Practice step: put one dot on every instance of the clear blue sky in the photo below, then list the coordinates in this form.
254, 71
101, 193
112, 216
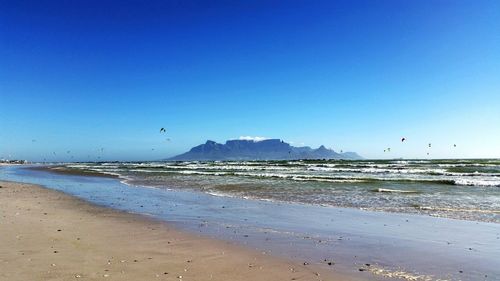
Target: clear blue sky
352, 75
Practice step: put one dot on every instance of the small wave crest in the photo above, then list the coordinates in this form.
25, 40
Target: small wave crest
477, 182
387, 190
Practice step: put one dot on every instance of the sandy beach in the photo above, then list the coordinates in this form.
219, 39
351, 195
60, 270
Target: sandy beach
48, 235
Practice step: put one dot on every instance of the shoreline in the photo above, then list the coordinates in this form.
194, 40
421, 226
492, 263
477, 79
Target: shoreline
421, 210
52, 235
360, 244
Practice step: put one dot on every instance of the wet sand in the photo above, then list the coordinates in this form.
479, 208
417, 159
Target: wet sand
48, 235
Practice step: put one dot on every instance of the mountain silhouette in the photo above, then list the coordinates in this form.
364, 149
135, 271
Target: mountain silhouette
270, 149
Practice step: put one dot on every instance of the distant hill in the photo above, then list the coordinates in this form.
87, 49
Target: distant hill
271, 149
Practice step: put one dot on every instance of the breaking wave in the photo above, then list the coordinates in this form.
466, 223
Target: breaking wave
435, 187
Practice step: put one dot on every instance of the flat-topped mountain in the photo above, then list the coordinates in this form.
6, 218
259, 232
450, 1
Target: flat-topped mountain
270, 149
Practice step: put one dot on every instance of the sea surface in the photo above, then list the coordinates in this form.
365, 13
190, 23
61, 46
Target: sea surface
460, 189
365, 245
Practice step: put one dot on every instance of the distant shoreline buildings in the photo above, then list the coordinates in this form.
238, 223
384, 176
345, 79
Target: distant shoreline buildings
14, 161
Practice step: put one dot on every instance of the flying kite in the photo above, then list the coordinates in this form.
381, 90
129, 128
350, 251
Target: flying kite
162, 130
429, 144
403, 139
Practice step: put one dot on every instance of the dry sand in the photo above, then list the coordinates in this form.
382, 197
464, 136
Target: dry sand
48, 235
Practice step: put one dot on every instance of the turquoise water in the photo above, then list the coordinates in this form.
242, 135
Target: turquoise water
461, 189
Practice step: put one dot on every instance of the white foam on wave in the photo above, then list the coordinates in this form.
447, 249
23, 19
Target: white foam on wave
299, 177
318, 172
220, 194
395, 190
477, 182
223, 194
377, 170
428, 208
401, 274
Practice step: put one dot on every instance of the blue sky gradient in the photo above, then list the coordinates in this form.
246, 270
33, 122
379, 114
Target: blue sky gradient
352, 75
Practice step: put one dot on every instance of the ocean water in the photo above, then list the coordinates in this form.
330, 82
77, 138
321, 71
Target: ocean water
460, 189
405, 246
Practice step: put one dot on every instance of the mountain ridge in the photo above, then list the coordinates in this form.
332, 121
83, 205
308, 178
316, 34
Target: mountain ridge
269, 149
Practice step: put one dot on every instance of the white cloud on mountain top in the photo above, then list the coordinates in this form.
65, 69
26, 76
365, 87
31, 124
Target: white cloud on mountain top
255, 139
